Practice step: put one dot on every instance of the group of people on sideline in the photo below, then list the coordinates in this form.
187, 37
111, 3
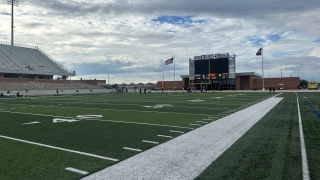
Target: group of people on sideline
272, 89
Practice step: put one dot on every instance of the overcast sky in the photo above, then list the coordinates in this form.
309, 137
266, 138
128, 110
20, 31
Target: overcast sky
131, 39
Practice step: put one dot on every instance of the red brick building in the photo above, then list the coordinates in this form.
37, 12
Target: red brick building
244, 81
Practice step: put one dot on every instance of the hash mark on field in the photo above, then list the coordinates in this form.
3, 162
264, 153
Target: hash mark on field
62, 149
36, 122
152, 142
177, 131
164, 136
77, 171
207, 119
195, 124
202, 122
132, 149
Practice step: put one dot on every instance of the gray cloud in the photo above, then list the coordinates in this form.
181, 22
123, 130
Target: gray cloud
121, 37
227, 8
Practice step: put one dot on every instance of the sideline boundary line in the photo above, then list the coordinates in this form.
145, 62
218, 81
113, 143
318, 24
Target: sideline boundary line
62, 149
305, 168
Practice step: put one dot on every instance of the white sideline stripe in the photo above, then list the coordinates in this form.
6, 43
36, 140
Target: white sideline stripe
77, 171
186, 156
164, 136
177, 131
195, 124
152, 142
62, 149
132, 149
305, 168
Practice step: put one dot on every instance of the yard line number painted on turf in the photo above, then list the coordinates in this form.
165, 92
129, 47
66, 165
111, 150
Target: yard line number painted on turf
60, 120
79, 118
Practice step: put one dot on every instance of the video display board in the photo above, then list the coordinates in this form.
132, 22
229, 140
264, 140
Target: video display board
217, 66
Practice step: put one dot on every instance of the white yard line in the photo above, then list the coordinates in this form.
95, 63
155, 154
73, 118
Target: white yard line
58, 148
149, 124
45, 115
74, 107
186, 156
305, 168
77, 171
114, 121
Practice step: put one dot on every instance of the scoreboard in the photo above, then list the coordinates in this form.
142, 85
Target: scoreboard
217, 66
207, 68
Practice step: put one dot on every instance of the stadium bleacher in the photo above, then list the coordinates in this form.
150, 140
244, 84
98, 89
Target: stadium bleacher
29, 68
29, 60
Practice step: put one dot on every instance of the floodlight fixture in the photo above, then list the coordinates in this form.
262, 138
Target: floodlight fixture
12, 3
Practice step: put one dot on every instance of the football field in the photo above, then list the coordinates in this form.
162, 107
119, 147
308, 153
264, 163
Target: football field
70, 137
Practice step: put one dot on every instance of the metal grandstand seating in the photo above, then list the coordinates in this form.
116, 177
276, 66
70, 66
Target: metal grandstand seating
44, 86
29, 60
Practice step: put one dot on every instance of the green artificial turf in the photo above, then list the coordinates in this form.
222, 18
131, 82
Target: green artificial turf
311, 129
24, 161
124, 122
269, 150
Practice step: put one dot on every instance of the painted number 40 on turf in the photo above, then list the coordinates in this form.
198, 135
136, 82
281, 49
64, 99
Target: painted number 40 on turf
78, 118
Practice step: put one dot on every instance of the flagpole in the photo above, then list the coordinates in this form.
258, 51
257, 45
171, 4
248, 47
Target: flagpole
174, 72
262, 69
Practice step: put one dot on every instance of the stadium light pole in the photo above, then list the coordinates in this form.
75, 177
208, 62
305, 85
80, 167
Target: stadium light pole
12, 3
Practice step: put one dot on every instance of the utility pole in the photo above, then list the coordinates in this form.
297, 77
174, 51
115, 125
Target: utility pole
12, 3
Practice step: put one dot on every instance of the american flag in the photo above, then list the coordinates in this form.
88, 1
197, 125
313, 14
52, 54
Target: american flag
259, 52
169, 61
